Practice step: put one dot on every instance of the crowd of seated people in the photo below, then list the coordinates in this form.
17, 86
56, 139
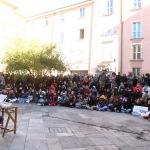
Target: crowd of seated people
100, 92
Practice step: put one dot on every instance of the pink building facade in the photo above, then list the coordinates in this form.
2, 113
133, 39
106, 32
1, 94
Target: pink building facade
98, 34
135, 41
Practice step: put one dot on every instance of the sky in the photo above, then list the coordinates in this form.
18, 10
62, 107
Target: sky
32, 7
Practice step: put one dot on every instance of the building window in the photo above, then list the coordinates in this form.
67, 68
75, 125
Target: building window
136, 71
136, 30
109, 6
81, 33
46, 21
137, 3
61, 17
136, 52
61, 37
82, 12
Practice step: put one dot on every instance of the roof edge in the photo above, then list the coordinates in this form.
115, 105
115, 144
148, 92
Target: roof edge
57, 10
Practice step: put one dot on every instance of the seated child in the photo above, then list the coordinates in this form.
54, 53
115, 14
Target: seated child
102, 104
80, 102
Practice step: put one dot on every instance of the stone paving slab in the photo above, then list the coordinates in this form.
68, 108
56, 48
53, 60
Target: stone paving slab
62, 128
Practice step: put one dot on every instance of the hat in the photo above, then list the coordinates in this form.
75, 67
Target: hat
103, 97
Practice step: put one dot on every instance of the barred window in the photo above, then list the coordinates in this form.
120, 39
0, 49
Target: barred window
136, 52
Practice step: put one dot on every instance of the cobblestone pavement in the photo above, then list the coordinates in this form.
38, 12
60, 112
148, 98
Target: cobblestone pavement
62, 128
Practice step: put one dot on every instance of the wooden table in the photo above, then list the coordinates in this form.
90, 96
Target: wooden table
9, 111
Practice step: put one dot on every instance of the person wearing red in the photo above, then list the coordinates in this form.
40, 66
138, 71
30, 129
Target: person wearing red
86, 91
138, 91
138, 88
52, 88
54, 97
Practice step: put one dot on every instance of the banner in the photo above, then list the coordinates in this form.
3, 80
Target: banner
138, 110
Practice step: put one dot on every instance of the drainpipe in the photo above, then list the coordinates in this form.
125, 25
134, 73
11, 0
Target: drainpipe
90, 42
52, 27
121, 37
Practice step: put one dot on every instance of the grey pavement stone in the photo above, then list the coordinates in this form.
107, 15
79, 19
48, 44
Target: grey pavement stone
75, 149
109, 147
69, 142
127, 148
132, 141
97, 135
36, 136
54, 144
36, 145
34, 130
101, 141
22, 127
85, 141
18, 143
21, 133
64, 134
76, 129
79, 134
36, 121
91, 148
84, 116
142, 147
4, 147
50, 135
50, 124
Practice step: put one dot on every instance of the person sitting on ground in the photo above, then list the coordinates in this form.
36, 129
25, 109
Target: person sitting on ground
146, 88
147, 115
145, 96
90, 103
111, 99
138, 91
127, 106
138, 102
71, 100
11, 96
86, 91
64, 99
103, 104
81, 103
93, 92
116, 107
42, 99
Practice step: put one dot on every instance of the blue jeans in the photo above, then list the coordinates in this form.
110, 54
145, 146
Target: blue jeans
1, 119
126, 110
104, 108
21, 100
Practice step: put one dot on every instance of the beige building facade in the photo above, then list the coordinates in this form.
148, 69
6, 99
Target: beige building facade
70, 28
11, 24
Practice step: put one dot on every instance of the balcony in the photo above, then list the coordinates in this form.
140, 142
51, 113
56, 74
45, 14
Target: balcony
106, 39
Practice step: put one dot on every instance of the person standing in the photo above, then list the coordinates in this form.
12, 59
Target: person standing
102, 81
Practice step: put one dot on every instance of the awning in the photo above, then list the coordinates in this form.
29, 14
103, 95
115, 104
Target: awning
104, 63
